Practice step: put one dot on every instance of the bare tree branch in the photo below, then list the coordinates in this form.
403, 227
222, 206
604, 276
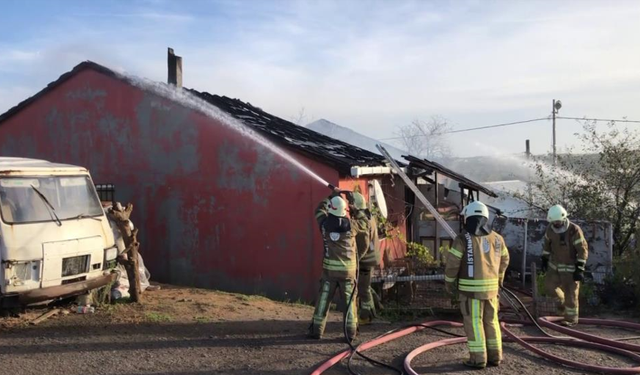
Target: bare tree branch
426, 139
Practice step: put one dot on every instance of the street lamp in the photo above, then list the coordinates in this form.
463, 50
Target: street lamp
556, 105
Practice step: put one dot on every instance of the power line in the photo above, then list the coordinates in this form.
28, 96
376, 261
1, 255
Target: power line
597, 119
496, 126
515, 123
474, 128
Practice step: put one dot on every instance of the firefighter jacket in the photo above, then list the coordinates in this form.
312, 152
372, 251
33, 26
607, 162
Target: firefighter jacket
565, 250
477, 264
339, 238
363, 239
372, 257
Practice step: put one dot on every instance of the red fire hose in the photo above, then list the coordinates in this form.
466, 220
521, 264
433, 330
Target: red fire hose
583, 340
525, 340
549, 322
591, 342
381, 340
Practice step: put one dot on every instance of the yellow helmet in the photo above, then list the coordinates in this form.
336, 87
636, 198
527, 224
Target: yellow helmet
338, 207
359, 201
557, 213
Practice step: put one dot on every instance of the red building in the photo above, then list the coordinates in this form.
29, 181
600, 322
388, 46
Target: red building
215, 209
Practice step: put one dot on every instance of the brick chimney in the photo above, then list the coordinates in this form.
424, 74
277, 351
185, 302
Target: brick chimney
174, 64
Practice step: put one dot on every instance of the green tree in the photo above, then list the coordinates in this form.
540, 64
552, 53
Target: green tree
598, 181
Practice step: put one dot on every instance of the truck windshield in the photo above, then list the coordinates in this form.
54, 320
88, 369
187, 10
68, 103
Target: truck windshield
71, 197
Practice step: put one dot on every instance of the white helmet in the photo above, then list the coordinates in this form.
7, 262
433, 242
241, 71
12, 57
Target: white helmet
475, 208
338, 207
556, 213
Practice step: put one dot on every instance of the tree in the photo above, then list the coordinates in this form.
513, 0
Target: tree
600, 183
426, 139
300, 118
129, 258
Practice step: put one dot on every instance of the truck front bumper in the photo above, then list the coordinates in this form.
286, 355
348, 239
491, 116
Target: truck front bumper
67, 290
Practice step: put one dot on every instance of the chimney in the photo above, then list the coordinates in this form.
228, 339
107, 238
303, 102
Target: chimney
174, 64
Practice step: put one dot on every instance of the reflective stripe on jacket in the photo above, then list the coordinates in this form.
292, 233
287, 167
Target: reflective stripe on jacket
477, 264
567, 250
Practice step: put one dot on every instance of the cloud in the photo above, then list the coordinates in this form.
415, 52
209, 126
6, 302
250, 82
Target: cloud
147, 15
373, 66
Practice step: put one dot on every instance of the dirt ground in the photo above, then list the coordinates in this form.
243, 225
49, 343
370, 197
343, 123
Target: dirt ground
194, 332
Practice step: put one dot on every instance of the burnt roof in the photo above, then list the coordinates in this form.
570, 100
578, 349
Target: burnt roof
432, 166
327, 150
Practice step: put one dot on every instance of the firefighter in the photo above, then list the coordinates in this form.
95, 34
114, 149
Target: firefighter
564, 256
339, 266
476, 264
369, 257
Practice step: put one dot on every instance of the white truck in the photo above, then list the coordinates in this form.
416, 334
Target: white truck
55, 239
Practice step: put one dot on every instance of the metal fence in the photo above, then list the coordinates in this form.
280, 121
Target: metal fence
106, 192
399, 288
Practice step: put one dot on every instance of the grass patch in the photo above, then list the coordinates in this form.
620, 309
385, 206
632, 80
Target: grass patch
202, 319
102, 296
298, 302
158, 317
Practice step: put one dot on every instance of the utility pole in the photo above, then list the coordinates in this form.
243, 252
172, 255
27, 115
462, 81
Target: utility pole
529, 190
555, 106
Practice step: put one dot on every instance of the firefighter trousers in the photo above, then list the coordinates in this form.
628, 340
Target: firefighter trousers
482, 328
566, 290
327, 290
367, 307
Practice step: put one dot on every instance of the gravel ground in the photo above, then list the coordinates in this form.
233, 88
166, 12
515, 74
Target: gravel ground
193, 332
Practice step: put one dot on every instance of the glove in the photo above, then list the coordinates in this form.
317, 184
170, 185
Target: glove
350, 198
449, 287
578, 275
545, 264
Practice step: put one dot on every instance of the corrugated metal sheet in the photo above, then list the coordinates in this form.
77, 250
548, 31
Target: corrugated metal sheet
214, 209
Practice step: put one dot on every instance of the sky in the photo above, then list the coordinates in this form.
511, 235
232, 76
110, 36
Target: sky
369, 65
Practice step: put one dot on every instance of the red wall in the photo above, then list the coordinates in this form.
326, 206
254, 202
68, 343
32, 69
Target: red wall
214, 209
393, 189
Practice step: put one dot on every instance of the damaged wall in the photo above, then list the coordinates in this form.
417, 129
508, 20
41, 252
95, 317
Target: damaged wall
214, 209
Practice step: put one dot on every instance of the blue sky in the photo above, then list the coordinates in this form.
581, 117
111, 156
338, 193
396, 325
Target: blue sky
368, 65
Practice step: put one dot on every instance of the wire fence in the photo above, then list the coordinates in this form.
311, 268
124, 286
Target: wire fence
400, 288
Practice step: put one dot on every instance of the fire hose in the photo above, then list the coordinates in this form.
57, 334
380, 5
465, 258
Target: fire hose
577, 339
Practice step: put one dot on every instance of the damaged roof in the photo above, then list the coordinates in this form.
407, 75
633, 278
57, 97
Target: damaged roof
325, 149
432, 166
321, 147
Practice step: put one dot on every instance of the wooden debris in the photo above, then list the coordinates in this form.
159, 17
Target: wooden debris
121, 216
44, 316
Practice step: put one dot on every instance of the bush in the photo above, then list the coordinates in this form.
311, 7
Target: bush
622, 289
588, 290
421, 255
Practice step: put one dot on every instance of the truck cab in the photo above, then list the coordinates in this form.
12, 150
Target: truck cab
55, 239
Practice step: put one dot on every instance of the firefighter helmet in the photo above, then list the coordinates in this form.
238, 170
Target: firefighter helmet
338, 207
359, 201
556, 213
475, 208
